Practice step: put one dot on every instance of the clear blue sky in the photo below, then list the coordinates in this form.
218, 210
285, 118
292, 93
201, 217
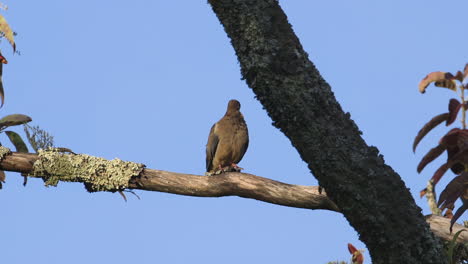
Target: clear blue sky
145, 80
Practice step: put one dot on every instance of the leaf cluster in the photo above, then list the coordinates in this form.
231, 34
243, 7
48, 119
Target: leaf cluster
454, 143
36, 137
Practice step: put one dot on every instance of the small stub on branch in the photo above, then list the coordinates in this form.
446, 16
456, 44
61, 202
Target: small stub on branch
96, 173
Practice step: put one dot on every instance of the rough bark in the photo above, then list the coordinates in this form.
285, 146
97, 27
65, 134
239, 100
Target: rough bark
227, 184
301, 104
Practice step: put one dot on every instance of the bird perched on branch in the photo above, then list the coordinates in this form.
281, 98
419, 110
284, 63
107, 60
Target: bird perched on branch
227, 142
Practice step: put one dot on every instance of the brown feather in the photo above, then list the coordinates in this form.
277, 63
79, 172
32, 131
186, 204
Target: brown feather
228, 140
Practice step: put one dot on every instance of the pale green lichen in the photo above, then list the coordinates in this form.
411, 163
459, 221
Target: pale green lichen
96, 173
3, 152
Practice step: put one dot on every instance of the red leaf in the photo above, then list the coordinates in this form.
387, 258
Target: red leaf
440, 79
451, 138
351, 248
453, 191
428, 127
430, 156
457, 214
3, 59
459, 76
357, 257
440, 172
457, 149
454, 108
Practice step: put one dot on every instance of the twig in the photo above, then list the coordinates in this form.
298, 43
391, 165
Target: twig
431, 198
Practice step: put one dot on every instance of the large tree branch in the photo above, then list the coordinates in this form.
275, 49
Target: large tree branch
227, 184
234, 184
372, 196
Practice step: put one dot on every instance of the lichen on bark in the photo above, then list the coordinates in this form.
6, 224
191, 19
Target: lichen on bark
96, 173
3, 152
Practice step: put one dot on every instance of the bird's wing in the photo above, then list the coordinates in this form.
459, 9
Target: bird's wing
211, 147
243, 148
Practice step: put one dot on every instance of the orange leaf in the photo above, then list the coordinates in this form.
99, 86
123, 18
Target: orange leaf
357, 257
7, 32
430, 156
449, 213
3, 59
428, 127
440, 79
422, 193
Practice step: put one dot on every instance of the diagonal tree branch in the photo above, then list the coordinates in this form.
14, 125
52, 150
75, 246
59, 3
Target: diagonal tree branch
228, 184
371, 195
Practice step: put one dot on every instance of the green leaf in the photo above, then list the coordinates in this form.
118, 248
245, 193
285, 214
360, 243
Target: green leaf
17, 141
14, 120
452, 245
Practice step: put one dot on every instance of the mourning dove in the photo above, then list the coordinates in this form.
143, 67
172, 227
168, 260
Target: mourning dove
227, 142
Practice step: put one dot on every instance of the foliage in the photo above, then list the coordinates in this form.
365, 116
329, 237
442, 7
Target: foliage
15, 120
6, 32
455, 142
15, 139
356, 256
38, 138
451, 247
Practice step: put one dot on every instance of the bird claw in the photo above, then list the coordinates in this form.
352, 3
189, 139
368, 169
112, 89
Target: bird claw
235, 168
231, 168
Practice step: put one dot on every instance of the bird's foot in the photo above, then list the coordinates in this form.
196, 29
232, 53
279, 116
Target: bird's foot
216, 172
231, 168
235, 168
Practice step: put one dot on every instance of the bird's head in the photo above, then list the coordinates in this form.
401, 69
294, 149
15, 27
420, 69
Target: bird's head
233, 106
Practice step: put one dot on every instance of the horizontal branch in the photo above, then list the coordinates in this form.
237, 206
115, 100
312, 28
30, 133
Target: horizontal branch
229, 184
233, 184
